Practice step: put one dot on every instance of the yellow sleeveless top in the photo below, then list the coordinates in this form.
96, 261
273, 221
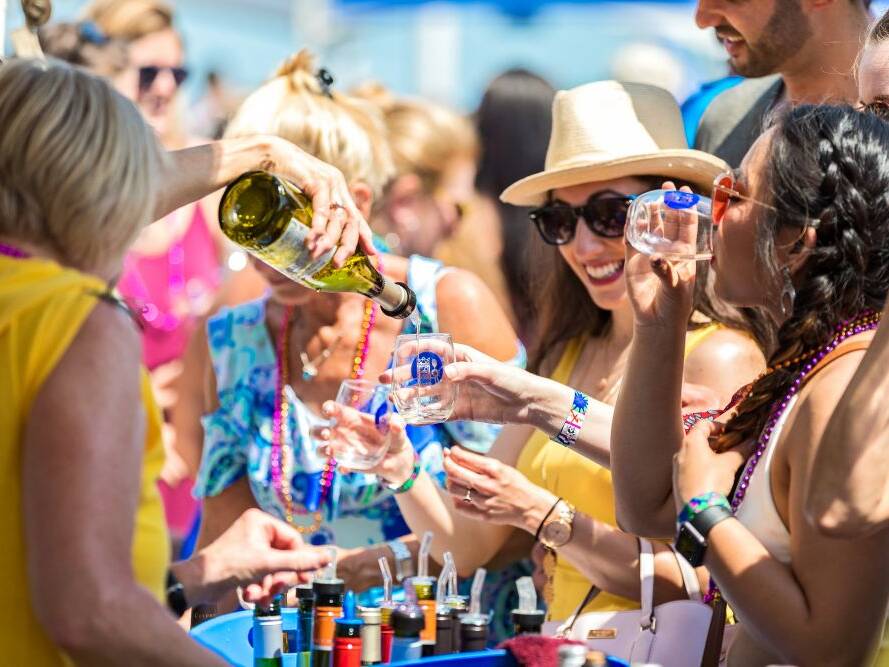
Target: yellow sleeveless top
584, 484
42, 307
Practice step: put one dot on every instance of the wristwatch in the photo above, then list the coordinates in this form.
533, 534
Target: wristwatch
558, 528
176, 601
691, 541
404, 562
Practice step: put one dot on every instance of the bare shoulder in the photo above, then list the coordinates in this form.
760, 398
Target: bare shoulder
727, 346
724, 361
108, 338
817, 402
469, 311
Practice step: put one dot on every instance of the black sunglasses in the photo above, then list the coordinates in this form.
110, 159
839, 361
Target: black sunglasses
605, 214
148, 73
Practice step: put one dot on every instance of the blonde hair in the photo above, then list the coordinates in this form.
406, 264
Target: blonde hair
130, 19
73, 43
78, 165
424, 138
339, 129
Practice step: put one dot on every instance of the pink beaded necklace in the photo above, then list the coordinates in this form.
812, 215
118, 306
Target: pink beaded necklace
282, 450
864, 321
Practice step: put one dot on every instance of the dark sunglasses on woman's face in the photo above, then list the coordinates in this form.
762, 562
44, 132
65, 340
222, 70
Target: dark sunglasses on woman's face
149, 73
605, 214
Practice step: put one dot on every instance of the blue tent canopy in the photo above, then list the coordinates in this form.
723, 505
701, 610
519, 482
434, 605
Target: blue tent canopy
518, 8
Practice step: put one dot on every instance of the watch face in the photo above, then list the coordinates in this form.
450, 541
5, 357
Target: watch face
557, 533
690, 544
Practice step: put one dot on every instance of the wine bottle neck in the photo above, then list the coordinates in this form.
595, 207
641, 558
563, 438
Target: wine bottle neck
396, 299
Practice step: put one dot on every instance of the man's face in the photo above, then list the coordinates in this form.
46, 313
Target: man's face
760, 36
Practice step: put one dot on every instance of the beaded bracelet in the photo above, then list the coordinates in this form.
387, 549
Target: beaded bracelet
567, 435
409, 482
699, 503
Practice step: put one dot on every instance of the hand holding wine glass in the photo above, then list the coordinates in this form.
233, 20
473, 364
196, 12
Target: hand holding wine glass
355, 434
661, 290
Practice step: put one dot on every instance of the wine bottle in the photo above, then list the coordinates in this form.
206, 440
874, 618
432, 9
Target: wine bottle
268, 635
270, 218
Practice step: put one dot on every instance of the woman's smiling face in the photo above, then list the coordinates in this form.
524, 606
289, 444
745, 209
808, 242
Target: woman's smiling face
598, 262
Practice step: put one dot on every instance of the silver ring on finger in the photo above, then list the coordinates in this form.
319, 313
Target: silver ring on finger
468, 497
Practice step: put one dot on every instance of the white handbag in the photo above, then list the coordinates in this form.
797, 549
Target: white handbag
672, 634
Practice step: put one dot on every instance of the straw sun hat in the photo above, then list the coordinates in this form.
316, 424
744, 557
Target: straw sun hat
607, 130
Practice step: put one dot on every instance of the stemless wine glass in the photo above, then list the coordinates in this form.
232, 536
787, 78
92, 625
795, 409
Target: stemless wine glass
421, 392
358, 445
674, 224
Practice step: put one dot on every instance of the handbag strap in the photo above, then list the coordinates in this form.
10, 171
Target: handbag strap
646, 581
568, 625
689, 578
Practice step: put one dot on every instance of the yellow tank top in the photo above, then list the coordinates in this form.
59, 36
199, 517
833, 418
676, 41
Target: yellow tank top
42, 307
584, 484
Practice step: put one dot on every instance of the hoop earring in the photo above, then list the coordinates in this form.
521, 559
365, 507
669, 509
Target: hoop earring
788, 293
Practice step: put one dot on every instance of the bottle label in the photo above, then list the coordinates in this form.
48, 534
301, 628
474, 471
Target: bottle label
268, 637
325, 626
427, 368
290, 256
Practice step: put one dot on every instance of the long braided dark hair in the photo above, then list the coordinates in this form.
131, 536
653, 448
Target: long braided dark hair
831, 164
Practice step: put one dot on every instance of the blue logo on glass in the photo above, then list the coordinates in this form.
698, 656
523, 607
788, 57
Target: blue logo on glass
427, 368
678, 200
380, 414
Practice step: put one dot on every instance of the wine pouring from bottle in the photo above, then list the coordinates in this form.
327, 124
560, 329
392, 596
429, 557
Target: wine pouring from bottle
270, 217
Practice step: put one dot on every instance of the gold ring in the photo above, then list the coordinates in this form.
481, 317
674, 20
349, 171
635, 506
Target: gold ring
335, 206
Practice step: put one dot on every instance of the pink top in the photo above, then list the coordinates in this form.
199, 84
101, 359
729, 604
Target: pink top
173, 289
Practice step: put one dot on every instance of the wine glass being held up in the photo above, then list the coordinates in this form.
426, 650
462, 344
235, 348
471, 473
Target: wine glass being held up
350, 429
492, 391
661, 291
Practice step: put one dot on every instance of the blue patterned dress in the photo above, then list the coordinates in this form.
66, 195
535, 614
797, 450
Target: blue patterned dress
360, 511
238, 435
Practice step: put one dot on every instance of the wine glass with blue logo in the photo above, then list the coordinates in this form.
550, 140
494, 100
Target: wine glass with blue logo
360, 447
421, 391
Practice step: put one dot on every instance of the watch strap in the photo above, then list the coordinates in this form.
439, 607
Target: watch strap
705, 520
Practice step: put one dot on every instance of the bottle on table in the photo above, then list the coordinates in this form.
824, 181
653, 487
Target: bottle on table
474, 625
386, 608
371, 636
572, 655
458, 604
268, 634
408, 621
347, 643
424, 587
306, 617
527, 619
270, 217
444, 624
329, 591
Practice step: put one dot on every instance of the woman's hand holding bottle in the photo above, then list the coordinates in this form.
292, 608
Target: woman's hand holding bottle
336, 220
662, 291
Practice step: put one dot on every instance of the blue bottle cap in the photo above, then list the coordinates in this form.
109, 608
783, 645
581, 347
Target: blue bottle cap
350, 618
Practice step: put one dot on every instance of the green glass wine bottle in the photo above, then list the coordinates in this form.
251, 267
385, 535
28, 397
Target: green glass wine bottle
270, 217
268, 635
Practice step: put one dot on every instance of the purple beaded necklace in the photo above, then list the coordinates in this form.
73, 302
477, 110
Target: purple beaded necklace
12, 251
864, 321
